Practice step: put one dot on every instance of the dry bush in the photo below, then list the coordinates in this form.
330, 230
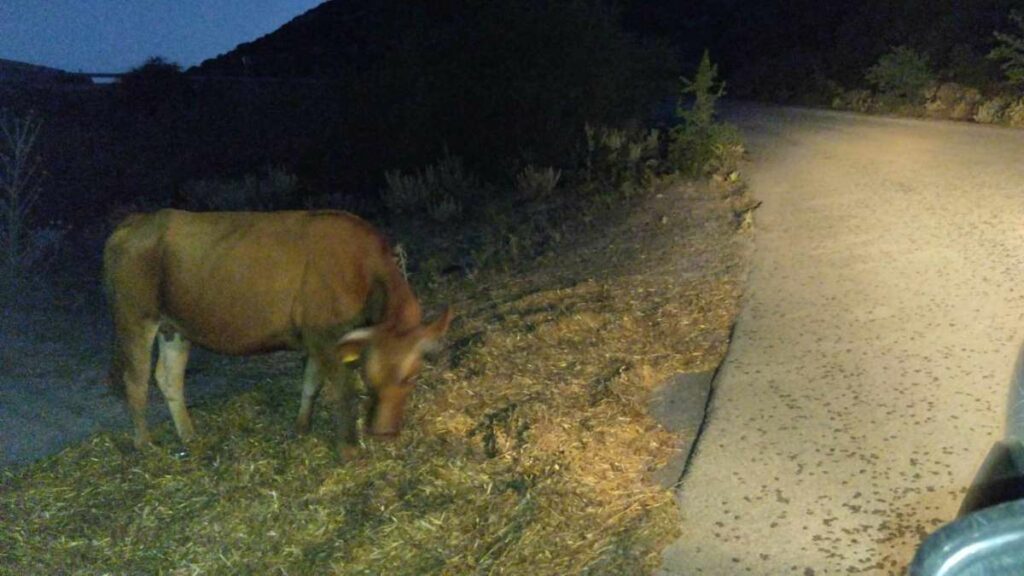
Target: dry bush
954, 102
536, 183
856, 100
272, 189
1015, 113
993, 110
440, 190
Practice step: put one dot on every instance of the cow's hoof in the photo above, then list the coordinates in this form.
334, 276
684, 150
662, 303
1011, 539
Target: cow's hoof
142, 441
348, 452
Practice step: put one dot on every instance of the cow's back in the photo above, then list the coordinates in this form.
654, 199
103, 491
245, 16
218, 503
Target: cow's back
246, 282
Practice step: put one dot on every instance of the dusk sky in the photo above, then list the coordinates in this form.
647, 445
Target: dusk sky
116, 35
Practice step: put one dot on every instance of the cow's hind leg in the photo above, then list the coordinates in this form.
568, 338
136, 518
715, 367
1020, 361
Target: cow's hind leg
135, 347
312, 380
170, 377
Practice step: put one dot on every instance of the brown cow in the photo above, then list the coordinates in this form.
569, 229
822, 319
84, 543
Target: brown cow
244, 283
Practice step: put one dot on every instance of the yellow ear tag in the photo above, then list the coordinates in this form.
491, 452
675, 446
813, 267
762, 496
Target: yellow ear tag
350, 357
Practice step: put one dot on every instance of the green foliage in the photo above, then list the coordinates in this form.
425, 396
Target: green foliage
705, 91
698, 144
969, 66
271, 190
902, 73
1010, 50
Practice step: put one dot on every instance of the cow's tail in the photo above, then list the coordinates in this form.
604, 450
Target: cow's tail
112, 254
115, 377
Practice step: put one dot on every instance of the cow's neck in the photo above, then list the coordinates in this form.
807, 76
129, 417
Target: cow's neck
393, 305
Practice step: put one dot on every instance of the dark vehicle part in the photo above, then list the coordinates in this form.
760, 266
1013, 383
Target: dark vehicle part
987, 538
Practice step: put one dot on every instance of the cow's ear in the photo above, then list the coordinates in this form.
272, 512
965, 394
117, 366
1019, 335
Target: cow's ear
351, 345
432, 334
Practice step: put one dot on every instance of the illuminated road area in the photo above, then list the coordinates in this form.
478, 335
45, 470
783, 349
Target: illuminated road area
868, 374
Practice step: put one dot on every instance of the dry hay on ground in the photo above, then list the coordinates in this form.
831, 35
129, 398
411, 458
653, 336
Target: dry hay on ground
527, 451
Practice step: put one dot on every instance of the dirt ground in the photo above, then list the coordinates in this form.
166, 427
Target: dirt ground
53, 367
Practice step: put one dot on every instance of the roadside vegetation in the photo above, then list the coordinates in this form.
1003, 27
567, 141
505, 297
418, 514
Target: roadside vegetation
588, 255
904, 81
941, 59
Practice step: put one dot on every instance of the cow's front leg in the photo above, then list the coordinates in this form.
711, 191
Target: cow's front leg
341, 391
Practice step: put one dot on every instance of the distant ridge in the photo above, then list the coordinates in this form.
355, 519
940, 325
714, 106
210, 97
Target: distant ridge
23, 73
324, 42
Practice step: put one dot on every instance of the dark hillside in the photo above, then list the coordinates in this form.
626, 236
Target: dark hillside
782, 49
351, 89
497, 83
329, 41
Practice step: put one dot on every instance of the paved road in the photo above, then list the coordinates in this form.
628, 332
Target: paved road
869, 370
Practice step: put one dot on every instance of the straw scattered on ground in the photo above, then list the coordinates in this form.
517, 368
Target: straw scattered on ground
528, 448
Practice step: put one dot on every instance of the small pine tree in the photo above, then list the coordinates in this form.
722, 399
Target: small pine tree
698, 138
705, 94
1011, 51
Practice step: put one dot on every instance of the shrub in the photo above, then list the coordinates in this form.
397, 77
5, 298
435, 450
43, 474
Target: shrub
953, 101
439, 189
902, 73
23, 249
992, 111
858, 100
273, 189
698, 141
533, 182
1010, 50
619, 161
1015, 114
727, 150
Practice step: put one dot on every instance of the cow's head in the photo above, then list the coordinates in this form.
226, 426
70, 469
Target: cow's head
391, 361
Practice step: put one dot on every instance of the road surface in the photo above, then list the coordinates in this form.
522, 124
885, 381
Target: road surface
870, 365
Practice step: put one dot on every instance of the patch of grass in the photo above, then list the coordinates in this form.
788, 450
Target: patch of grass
527, 451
